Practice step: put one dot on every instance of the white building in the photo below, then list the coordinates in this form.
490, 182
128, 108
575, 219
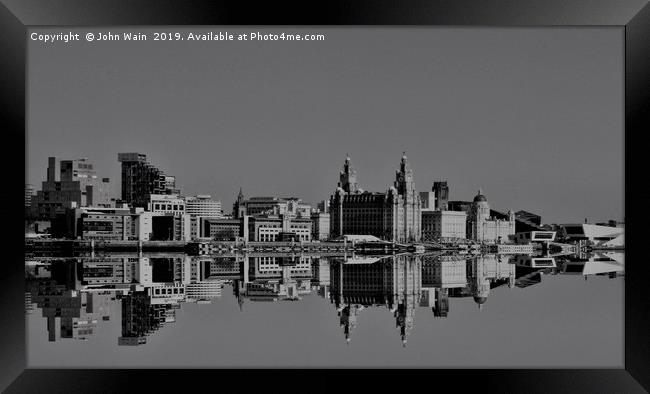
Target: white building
166, 203
484, 228
444, 224
597, 234
203, 205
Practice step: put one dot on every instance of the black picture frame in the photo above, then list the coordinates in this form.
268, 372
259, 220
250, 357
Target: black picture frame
16, 16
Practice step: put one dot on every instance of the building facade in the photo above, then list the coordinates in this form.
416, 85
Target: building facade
140, 179
482, 227
394, 215
78, 186
253, 206
166, 203
320, 226
283, 228
204, 206
444, 224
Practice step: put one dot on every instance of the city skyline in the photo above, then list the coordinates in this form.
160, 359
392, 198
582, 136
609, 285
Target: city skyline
116, 187
531, 116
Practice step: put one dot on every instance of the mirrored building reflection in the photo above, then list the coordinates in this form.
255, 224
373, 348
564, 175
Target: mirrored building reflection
76, 295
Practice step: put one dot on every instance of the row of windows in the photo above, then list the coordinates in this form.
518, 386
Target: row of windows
175, 290
169, 207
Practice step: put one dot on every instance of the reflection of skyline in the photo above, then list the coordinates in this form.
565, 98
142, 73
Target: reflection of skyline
75, 295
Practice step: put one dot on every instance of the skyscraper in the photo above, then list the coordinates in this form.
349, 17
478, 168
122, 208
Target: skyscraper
140, 179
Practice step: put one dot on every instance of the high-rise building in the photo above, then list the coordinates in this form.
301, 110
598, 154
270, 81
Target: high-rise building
78, 186
394, 215
140, 179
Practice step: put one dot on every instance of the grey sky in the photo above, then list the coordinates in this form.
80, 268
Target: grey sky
534, 116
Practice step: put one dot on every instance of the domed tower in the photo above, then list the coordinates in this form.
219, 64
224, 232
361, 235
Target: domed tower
479, 214
348, 177
480, 207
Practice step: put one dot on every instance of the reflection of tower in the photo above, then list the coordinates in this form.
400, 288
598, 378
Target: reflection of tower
479, 284
404, 315
407, 287
348, 320
441, 306
348, 177
441, 194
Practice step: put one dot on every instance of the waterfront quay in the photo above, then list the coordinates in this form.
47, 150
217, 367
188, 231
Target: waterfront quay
67, 246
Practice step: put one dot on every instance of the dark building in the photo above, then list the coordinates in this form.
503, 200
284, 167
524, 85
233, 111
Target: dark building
441, 193
140, 179
459, 205
395, 215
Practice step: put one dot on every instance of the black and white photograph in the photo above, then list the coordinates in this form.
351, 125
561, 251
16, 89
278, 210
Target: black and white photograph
358, 190
320, 197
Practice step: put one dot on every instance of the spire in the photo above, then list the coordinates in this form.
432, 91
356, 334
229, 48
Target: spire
240, 196
403, 155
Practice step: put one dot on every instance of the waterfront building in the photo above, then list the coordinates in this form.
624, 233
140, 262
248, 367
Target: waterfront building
596, 234
320, 226
96, 223
394, 215
166, 203
482, 227
259, 228
278, 228
201, 206
78, 186
204, 206
140, 179
220, 229
443, 224
171, 227
254, 206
